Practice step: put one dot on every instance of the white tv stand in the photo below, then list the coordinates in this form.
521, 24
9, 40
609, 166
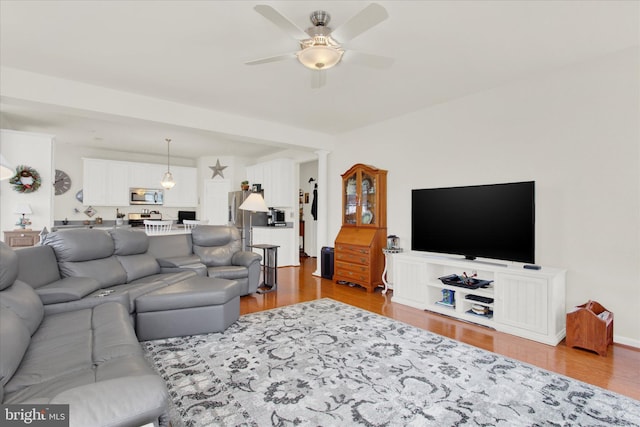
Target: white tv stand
527, 303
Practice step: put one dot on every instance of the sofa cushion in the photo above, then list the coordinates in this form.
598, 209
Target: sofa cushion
108, 271
69, 347
22, 300
67, 289
137, 266
170, 245
37, 266
80, 244
216, 244
14, 338
216, 235
228, 272
113, 334
8, 266
129, 242
214, 256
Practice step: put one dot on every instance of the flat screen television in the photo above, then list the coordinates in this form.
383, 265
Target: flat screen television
489, 221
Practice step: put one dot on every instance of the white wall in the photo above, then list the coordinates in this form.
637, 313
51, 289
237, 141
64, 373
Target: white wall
308, 170
574, 131
33, 150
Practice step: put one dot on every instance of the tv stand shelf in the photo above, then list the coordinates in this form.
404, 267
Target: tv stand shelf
526, 303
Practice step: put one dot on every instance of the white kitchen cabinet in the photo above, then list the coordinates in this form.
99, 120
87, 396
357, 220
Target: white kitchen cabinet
283, 193
185, 193
255, 174
276, 178
526, 303
105, 183
146, 175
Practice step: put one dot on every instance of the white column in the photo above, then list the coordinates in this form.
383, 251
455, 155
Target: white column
322, 237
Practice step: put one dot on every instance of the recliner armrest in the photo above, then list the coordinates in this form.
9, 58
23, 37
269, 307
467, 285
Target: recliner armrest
88, 302
245, 258
67, 289
176, 262
135, 400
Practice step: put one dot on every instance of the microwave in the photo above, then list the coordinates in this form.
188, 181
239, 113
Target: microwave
145, 196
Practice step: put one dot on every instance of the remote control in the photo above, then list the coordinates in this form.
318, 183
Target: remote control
532, 267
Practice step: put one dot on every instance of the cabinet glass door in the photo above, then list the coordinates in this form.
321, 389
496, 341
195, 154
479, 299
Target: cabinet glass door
350, 204
368, 197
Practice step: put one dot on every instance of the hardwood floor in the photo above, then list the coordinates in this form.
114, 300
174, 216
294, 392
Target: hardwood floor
619, 371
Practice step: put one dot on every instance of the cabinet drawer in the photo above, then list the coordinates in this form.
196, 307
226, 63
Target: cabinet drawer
352, 272
352, 257
356, 268
352, 276
356, 250
18, 241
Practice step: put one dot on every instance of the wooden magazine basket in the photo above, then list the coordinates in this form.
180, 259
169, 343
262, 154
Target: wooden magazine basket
590, 326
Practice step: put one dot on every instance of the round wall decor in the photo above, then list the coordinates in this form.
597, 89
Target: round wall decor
26, 179
62, 182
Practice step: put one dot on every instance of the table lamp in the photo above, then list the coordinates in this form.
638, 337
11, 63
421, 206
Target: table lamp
23, 209
253, 203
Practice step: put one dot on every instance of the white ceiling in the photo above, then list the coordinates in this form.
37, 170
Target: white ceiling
193, 52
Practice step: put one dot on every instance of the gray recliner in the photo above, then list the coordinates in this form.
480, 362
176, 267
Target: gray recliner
220, 249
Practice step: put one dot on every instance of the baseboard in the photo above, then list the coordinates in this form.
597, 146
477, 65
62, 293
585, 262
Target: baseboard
617, 339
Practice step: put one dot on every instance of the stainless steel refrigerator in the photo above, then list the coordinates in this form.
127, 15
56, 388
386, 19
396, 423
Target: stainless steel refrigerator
241, 219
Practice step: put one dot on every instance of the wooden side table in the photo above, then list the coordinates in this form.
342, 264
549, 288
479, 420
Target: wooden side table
388, 253
22, 238
269, 267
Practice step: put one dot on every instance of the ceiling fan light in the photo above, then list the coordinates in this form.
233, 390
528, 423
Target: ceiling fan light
167, 181
320, 57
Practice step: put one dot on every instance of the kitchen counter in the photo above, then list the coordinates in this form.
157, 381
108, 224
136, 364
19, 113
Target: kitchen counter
271, 227
96, 226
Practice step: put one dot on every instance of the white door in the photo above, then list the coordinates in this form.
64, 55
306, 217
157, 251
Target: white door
216, 200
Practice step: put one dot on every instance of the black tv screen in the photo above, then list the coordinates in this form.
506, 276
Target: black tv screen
489, 221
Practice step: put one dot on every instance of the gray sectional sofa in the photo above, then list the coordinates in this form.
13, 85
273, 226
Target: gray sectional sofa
88, 358
68, 313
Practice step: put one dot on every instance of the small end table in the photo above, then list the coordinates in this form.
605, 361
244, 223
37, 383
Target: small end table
269, 267
387, 253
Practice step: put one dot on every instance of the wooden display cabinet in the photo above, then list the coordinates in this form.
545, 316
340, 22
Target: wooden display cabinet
358, 247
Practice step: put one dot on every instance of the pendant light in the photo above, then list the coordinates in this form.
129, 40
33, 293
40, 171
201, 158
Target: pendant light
167, 180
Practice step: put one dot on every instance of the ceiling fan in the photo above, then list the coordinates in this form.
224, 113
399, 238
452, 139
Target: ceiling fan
321, 47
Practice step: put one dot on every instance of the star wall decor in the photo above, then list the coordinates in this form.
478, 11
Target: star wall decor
217, 169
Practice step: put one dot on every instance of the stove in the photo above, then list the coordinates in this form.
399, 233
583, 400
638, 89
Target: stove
137, 219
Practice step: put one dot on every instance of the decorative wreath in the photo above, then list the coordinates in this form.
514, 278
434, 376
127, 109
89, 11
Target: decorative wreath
26, 179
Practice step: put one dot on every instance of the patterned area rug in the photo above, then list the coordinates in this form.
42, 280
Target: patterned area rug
324, 363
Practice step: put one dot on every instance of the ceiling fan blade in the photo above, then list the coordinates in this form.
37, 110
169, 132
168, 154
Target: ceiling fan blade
368, 17
276, 58
318, 79
368, 59
281, 21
